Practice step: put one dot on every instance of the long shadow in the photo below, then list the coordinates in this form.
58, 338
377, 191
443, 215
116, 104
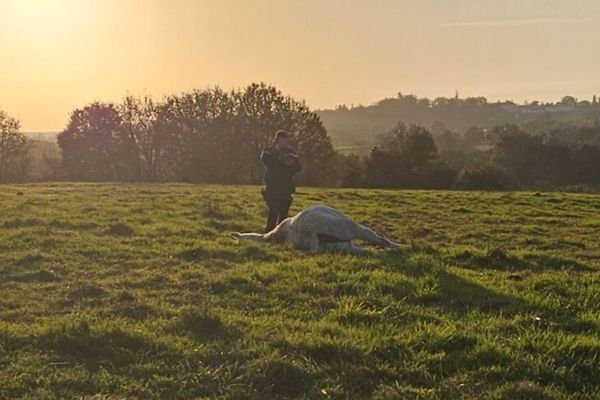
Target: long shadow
458, 295
76, 341
502, 260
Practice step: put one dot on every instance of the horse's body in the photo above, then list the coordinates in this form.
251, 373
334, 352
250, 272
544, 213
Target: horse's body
319, 228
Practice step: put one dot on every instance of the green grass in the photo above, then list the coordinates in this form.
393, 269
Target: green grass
135, 292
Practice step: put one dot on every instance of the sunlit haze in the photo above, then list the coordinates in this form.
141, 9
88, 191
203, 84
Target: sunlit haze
56, 55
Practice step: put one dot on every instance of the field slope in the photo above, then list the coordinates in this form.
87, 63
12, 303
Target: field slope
135, 292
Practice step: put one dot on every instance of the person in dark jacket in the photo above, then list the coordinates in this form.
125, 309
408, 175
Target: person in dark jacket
281, 164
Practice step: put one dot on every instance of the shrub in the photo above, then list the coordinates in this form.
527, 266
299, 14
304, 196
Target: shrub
483, 178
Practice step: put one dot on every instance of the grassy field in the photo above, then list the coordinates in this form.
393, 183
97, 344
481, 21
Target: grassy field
135, 292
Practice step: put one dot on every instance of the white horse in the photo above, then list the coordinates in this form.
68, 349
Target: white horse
319, 228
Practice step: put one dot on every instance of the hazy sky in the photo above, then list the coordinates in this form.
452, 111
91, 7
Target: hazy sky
56, 55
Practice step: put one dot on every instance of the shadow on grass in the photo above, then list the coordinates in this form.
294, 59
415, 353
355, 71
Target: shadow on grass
454, 293
126, 305
277, 377
16, 223
245, 253
120, 229
94, 346
500, 259
42, 275
203, 325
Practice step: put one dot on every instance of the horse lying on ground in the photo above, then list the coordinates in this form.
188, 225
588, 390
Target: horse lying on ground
320, 228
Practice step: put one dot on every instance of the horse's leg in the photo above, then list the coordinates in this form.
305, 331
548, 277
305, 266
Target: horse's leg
346, 247
369, 236
306, 241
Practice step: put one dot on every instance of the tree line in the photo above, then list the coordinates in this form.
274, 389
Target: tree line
215, 136
505, 157
359, 125
209, 136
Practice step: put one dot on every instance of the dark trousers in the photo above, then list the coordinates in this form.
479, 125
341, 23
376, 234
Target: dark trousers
279, 206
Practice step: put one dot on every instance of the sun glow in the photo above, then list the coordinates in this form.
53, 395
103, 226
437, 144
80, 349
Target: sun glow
36, 10
57, 55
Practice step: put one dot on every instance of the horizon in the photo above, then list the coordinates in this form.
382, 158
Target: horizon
63, 54
354, 106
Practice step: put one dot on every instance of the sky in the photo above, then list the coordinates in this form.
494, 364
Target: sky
57, 55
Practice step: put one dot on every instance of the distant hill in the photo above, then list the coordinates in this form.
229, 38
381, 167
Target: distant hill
360, 125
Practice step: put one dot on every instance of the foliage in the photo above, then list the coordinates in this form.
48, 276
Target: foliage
350, 170
407, 157
14, 154
201, 136
139, 120
487, 178
95, 146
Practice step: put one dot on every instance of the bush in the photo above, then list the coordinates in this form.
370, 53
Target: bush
350, 171
483, 178
439, 175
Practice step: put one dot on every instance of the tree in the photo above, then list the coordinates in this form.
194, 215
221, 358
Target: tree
485, 177
95, 146
419, 147
215, 136
14, 152
515, 152
448, 141
531, 159
406, 157
261, 110
139, 122
385, 169
473, 137
201, 142
350, 170
568, 101
438, 127
586, 168
315, 149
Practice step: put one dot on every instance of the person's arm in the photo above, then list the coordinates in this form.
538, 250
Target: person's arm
268, 158
295, 165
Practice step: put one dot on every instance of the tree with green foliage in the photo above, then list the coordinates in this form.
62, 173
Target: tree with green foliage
198, 137
215, 136
531, 160
95, 146
201, 136
350, 170
14, 152
407, 157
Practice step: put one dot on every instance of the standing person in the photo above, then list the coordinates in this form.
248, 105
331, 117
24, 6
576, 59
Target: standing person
281, 164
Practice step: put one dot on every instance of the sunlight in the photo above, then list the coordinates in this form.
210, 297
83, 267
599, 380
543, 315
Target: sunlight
32, 12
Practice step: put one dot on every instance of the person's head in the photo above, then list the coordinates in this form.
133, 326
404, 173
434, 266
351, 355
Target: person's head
282, 139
